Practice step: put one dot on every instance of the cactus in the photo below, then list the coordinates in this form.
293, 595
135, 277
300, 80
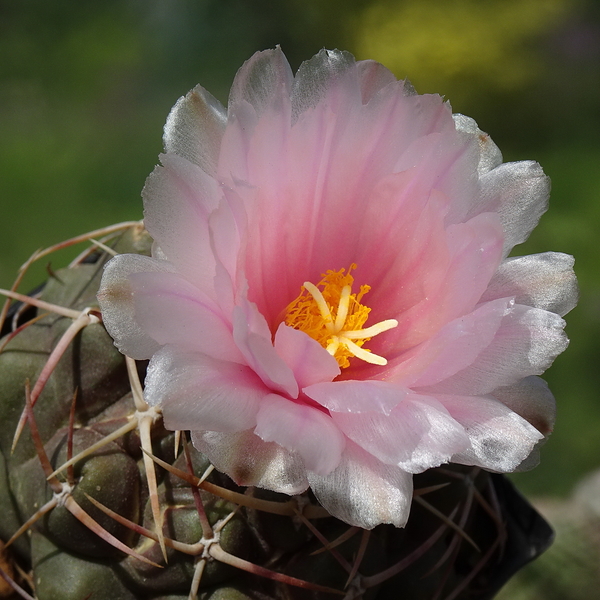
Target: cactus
99, 501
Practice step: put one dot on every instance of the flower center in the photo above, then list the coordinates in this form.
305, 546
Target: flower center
335, 317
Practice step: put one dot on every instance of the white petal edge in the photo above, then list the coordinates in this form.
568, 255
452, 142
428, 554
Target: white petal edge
251, 462
489, 154
195, 127
544, 281
265, 79
518, 192
531, 399
500, 439
317, 75
116, 301
178, 199
364, 492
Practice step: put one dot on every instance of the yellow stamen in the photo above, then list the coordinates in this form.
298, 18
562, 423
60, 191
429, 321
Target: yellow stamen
334, 316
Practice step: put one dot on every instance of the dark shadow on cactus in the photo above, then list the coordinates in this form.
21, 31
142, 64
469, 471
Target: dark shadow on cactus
528, 534
506, 529
22, 313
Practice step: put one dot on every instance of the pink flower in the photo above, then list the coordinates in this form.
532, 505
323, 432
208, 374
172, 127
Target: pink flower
329, 302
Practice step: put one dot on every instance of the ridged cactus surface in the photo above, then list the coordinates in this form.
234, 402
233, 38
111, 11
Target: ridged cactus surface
142, 515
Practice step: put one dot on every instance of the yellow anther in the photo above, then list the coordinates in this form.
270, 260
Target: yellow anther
334, 316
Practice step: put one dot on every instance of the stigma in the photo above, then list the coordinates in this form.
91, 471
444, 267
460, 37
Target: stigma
335, 317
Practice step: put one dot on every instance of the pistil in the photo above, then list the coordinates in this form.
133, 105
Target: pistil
334, 316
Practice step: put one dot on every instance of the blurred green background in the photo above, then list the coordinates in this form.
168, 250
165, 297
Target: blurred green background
85, 88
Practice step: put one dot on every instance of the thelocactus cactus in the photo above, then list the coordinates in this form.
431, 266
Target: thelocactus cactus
255, 340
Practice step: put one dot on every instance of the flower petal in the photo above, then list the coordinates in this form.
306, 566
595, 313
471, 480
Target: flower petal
526, 343
417, 435
173, 311
198, 392
228, 231
302, 429
263, 81
178, 199
373, 77
500, 438
195, 127
318, 76
490, 156
309, 361
453, 348
518, 192
472, 255
357, 396
250, 461
253, 338
261, 88
544, 281
364, 492
531, 399
116, 301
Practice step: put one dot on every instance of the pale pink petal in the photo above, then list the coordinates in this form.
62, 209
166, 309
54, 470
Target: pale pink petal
197, 392
173, 311
303, 429
315, 170
541, 280
518, 192
474, 249
178, 199
531, 399
250, 461
195, 127
526, 343
490, 156
374, 77
261, 88
473, 253
363, 491
442, 156
253, 338
228, 235
402, 244
264, 81
318, 78
453, 348
500, 438
357, 396
417, 435
116, 301
309, 361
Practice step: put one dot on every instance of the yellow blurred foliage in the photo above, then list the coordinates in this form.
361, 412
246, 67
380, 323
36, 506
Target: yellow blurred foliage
450, 46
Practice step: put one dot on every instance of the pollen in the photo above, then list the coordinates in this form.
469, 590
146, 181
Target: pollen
335, 317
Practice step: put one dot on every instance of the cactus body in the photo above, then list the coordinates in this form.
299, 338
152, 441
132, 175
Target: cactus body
468, 531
